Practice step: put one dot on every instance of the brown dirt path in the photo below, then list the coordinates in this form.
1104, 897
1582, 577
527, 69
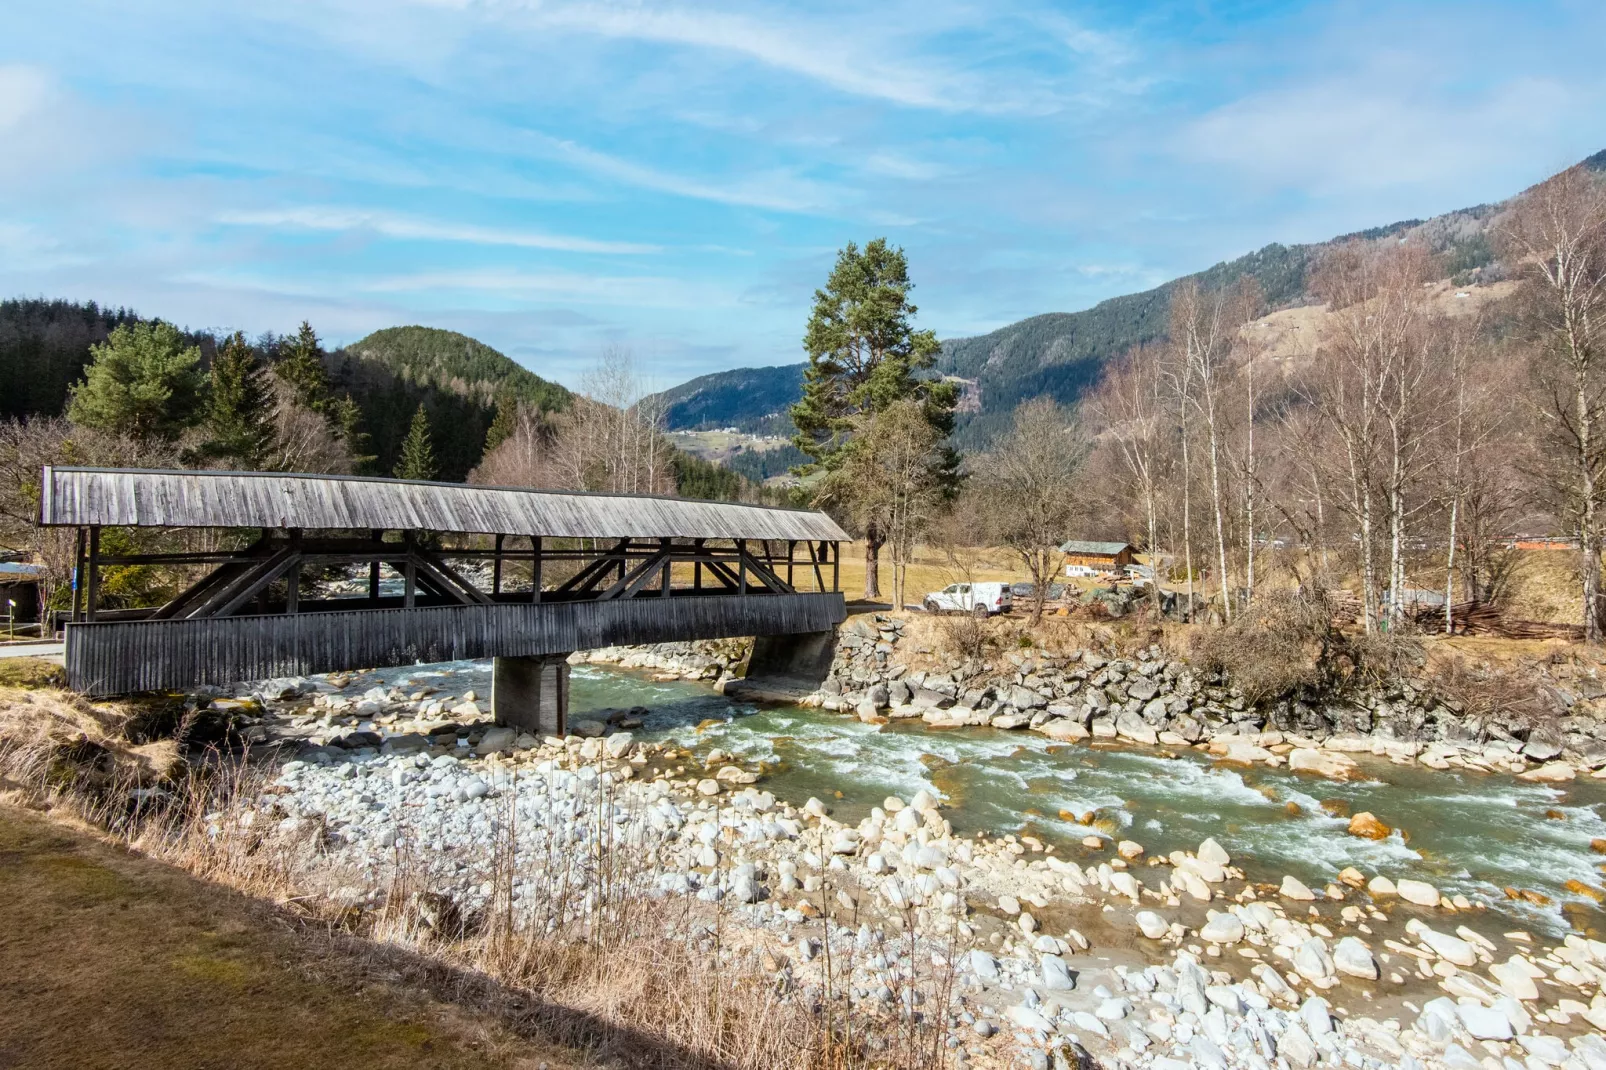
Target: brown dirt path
110, 960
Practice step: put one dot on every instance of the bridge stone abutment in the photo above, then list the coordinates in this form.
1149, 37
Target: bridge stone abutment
786, 667
531, 694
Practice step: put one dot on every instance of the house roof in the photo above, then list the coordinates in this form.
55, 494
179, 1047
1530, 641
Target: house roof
1101, 549
183, 499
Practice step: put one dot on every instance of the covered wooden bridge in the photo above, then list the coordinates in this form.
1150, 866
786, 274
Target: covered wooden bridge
295, 574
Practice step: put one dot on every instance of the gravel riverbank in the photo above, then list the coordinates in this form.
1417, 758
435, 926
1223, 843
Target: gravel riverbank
1137, 959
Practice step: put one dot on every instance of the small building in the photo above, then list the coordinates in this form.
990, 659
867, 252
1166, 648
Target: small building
19, 591
1084, 558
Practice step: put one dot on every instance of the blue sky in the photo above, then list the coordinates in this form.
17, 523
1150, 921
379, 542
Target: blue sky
556, 178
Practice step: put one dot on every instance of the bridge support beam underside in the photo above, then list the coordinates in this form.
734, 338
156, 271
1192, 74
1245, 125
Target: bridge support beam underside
119, 657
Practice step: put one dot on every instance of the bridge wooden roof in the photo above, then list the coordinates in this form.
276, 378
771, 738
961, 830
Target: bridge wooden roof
184, 499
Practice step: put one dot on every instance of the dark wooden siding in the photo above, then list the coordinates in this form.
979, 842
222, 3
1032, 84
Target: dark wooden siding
118, 657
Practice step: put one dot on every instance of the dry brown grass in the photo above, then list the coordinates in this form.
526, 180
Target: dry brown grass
606, 972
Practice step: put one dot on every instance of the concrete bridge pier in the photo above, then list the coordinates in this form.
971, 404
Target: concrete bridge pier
531, 694
784, 668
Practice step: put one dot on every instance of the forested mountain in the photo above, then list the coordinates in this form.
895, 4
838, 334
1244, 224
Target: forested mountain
446, 360
1061, 353
457, 379
750, 399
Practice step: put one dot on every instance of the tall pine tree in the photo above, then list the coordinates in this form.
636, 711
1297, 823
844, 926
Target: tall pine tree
300, 365
239, 416
142, 381
418, 450
865, 356
504, 423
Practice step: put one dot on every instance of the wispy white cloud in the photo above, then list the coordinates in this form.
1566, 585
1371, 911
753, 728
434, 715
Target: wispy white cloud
336, 219
1364, 134
778, 190
820, 49
577, 287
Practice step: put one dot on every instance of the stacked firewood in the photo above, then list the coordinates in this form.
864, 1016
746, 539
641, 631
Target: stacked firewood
1484, 618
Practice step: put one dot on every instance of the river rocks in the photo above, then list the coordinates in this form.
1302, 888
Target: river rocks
1064, 729
1213, 852
1312, 961
708, 786
1354, 958
1027, 1018
1151, 924
1294, 888
1544, 744
984, 966
1368, 827
1556, 772
1222, 929
1056, 974
1447, 947
1132, 726
495, 740
1421, 893
1484, 1023
1380, 886
1322, 763
1514, 979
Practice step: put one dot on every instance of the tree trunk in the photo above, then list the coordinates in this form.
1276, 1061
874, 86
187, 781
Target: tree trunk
1588, 540
1221, 528
874, 537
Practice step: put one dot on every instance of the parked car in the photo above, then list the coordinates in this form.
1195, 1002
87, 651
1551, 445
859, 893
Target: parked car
979, 599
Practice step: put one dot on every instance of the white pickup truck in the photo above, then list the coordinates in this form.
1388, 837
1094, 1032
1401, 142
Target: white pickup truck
979, 599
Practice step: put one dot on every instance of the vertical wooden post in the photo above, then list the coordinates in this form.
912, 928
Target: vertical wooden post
409, 573
78, 578
496, 569
668, 575
535, 568
292, 578
836, 566
791, 548
741, 566
373, 568
697, 568
94, 573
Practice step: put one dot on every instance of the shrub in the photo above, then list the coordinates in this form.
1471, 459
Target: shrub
1278, 645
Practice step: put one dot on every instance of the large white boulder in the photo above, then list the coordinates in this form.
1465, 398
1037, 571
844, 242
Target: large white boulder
1354, 958
1421, 893
1222, 929
1322, 763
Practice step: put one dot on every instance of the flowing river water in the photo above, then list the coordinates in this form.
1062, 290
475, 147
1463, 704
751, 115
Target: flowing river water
1464, 832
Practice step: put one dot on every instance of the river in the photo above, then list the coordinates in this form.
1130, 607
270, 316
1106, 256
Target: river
1464, 832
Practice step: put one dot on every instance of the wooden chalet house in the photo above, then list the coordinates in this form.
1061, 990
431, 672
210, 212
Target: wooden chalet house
1084, 558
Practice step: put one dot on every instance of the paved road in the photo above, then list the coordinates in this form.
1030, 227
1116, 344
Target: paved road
52, 650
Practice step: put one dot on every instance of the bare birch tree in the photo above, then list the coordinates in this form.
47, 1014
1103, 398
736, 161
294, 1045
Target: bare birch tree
1028, 480
1131, 403
1558, 234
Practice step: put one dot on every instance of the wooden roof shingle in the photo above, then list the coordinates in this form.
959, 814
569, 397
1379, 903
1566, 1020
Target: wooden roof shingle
115, 497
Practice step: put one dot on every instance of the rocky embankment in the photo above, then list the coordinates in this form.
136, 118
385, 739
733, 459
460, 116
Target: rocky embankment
1154, 699
1140, 961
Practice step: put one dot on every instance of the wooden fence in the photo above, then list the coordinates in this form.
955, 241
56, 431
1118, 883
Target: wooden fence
118, 657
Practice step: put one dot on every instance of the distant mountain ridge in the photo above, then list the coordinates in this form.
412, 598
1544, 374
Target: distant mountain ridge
1061, 354
754, 400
